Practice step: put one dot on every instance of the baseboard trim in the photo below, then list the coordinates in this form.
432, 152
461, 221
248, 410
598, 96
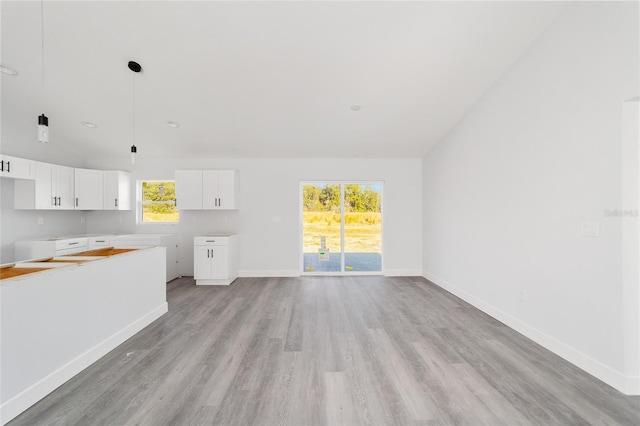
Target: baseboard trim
268, 273
402, 273
34, 393
271, 273
629, 385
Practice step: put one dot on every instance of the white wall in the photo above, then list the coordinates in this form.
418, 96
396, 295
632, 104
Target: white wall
506, 192
630, 203
270, 187
18, 225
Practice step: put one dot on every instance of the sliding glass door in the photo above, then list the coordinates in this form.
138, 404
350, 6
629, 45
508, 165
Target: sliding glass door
341, 227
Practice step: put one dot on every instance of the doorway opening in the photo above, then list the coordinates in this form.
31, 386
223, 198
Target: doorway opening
341, 228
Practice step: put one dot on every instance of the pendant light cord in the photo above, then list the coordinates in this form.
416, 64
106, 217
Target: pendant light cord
134, 108
42, 43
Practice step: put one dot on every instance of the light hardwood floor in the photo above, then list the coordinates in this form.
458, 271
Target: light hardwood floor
325, 351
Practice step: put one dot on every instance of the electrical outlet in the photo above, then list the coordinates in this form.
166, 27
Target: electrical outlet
119, 219
40, 221
225, 219
590, 229
81, 219
193, 220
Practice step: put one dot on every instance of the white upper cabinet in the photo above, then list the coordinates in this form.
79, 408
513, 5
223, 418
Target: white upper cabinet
89, 189
210, 193
117, 190
17, 168
207, 189
189, 189
219, 188
64, 184
45, 186
52, 188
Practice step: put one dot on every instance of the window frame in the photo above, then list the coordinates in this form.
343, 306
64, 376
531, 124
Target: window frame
140, 203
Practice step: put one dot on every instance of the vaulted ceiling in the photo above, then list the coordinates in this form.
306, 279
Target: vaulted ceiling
254, 79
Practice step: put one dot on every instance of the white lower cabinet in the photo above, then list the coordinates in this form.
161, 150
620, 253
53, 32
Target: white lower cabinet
215, 259
36, 249
100, 241
168, 241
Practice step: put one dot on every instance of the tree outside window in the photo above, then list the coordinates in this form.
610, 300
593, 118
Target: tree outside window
159, 202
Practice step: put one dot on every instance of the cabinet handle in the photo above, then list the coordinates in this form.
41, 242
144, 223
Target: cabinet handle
2, 166
73, 244
59, 201
8, 166
99, 241
53, 201
76, 201
116, 202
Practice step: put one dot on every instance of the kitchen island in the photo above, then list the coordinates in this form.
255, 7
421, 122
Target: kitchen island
67, 312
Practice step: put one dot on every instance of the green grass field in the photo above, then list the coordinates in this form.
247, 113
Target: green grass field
362, 231
150, 216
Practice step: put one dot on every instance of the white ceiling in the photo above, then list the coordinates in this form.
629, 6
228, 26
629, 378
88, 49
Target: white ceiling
256, 79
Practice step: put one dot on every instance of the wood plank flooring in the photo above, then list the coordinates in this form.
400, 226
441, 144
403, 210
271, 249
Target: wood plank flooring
329, 351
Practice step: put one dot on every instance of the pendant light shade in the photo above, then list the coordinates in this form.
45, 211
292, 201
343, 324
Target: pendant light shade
43, 129
134, 151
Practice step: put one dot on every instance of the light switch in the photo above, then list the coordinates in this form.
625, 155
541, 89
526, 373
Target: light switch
276, 219
590, 229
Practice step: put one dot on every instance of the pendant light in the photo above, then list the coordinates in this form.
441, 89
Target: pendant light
43, 120
43, 129
135, 68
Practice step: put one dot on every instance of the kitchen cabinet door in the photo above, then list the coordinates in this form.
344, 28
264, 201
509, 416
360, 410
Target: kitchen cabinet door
189, 189
219, 262
227, 189
17, 168
44, 186
202, 263
89, 191
210, 189
63, 184
117, 190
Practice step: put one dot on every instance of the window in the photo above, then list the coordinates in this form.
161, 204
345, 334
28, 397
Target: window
158, 202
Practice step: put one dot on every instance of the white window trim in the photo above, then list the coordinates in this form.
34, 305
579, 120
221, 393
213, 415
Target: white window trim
140, 203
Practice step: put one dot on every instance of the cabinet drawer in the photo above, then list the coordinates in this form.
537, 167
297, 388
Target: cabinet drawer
99, 242
71, 243
211, 241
